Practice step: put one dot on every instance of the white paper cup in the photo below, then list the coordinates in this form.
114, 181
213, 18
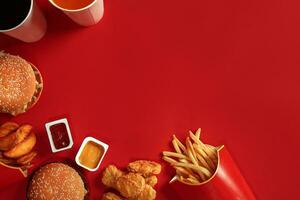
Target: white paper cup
32, 28
86, 16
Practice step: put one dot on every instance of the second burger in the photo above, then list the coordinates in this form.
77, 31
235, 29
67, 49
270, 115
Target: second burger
21, 84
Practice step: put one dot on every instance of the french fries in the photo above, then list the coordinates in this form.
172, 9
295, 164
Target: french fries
22, 133
7, 128
26, 159
16, 144
7, 142
194, 162
10, 140
22, 148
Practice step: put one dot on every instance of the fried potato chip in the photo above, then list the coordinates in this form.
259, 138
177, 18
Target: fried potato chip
16, 143
26, 159
7, 142
22, 148
7, 128
22, 133
14, 138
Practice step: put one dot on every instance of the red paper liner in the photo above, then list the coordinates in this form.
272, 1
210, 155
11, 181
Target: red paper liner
227, 183
23, 170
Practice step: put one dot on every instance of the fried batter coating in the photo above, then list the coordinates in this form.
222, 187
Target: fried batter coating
130, 185
111, 196
147, 194
144, 167
111, 175
151, 180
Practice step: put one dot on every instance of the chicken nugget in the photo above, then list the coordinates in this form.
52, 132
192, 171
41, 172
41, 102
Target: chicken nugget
151, 180
144, 167
110, 176
130, 185
147, 194
111, 196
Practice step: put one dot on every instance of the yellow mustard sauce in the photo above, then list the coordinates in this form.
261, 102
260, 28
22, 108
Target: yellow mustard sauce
91, 154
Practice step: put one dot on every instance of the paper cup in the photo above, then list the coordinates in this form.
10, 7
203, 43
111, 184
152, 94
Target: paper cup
227, 183
86, 16
32, 28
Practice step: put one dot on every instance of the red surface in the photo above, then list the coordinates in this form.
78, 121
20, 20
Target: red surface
227, 183
153, 68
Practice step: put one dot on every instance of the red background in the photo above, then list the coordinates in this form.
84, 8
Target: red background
153, 68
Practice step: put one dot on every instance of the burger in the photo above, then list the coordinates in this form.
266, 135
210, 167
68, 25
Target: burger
20, 84
56, 181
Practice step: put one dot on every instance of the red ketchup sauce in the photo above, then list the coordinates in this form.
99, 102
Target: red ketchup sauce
59, 135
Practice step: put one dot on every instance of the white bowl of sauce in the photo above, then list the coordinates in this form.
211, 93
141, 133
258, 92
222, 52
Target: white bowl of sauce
91, 153
59, 135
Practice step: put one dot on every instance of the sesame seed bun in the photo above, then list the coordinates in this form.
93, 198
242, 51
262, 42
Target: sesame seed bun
56, 181
20, 84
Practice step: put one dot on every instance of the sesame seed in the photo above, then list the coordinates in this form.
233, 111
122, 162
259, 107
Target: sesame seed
17, 83
56, 181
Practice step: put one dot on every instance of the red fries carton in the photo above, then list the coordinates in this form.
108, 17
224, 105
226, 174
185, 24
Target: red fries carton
227, 183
